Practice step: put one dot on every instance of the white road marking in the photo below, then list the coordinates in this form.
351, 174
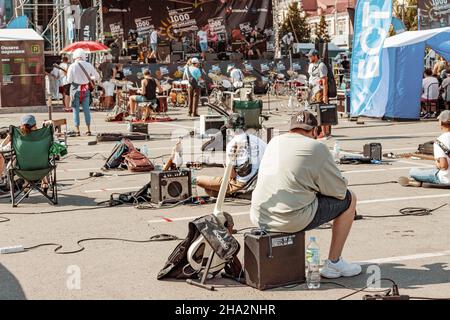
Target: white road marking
406, 258
359, 203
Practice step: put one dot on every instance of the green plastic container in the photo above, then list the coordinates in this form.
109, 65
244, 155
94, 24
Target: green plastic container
251, 111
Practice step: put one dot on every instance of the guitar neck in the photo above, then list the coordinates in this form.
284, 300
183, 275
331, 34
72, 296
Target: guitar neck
218, 210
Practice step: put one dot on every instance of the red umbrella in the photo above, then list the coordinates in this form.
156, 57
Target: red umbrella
88, 46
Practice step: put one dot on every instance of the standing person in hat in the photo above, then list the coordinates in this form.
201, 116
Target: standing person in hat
440, 174
193, 74
300, 188
318, 82
249, 150
79, 75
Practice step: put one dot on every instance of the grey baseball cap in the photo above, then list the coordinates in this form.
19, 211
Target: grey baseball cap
313, 52
444, 116
28, 120
303, 120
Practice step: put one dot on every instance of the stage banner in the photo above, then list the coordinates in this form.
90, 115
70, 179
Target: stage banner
88, 25
372, 23
434, 13
178, 18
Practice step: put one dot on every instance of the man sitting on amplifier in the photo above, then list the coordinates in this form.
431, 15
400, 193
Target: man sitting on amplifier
250, 150
300, 188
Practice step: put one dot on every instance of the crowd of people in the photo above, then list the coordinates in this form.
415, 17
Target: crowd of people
435, 89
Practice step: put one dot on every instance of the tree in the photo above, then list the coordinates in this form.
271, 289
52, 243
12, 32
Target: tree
322, 30
296, 23
408, 12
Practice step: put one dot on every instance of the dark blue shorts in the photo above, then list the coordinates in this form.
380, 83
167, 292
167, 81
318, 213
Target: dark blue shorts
329, 209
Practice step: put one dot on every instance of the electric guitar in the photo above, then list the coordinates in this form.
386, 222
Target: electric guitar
201, 247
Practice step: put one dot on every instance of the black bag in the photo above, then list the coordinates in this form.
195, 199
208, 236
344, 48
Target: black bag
443, 147
332, 87
245, 169
426, 148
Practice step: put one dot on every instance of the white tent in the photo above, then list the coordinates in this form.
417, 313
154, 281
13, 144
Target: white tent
19, 35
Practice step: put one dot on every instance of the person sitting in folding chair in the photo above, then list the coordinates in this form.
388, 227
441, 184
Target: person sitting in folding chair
147, 94
250, 150
31, 161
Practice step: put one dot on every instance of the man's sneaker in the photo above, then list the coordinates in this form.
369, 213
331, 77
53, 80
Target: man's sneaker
407, 182
339, 269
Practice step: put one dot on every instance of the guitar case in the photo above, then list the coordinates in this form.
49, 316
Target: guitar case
219, 238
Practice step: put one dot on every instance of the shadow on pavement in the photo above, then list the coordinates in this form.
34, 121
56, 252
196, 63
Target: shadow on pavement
10, 288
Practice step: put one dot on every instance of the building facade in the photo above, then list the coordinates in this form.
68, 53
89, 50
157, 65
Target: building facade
337, 13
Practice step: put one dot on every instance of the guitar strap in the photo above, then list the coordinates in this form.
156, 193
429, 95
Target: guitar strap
443, 147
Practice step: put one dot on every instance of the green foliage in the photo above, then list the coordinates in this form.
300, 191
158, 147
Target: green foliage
296, 23
322, 30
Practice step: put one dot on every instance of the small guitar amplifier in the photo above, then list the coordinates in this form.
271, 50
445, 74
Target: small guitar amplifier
171, 186
373, 151
211, 124
327, 114
274, 260
138, 128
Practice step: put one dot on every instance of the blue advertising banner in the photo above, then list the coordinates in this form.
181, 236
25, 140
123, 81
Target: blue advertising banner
398, 25
373, 19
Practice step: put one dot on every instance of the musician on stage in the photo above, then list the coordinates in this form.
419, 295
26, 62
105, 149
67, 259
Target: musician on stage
154, 40
203, 40
146, 94
236, 76
252, 41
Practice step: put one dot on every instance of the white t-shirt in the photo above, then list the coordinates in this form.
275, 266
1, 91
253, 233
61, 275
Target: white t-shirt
203, 36
257, 149
62, 75
430, 88
316, 72
446, 87
154, 37
236, 75
444, 175
287, 39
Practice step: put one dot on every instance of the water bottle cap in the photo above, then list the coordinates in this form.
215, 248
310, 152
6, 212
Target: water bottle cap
312, 239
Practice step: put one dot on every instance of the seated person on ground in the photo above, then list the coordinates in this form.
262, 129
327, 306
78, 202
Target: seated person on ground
441, 174
300, 188
147, 92
249, 148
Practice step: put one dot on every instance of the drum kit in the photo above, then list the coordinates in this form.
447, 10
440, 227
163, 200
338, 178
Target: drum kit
179, 94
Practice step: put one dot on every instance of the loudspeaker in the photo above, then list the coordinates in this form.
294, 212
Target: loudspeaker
274, 260
138, 127
177, 46
327, 114
211, 57
236, 56
163, 53
269, 55
373, 151
170, 186
176, 57
211, 122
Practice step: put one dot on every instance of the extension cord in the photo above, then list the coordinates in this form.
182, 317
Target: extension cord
14, 249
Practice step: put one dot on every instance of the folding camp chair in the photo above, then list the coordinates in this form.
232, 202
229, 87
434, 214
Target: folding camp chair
32, 162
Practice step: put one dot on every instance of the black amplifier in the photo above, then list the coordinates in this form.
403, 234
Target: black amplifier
138, 127
327, 114
274, 260
171, 186
373, 151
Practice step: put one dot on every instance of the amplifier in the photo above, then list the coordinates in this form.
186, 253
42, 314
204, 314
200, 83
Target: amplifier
274, 260
327, 114
209, 123
373, 151
138, 127
177, 46
171, 186
211, 57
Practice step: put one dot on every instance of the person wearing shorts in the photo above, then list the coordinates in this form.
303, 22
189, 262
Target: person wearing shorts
300, 188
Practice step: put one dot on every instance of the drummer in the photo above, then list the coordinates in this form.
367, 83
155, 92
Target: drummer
146, 94
236, 76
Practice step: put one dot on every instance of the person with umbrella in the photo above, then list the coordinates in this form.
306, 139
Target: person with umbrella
80, 75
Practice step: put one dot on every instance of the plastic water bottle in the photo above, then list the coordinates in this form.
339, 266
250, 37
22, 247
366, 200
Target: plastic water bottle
337, 152
144, 150
313, 262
